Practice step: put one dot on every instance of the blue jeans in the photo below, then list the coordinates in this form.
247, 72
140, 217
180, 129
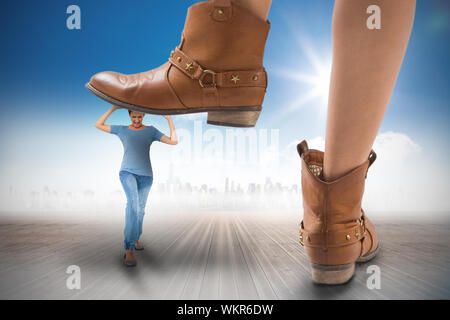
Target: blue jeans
136, 189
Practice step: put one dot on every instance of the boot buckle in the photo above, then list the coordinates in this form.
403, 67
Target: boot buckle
301, 234
213, 82
362, 223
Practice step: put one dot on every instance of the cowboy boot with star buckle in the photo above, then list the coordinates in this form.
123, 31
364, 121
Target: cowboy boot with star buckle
335, 231
217, 68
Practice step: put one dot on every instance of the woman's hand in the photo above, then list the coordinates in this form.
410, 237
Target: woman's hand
167, 117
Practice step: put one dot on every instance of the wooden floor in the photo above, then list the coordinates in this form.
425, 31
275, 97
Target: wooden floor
210, 255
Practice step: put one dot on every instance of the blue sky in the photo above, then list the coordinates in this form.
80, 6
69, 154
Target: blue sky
44, 106
45, 65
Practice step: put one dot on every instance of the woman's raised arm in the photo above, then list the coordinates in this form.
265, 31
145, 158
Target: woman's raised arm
100, 124
173, 135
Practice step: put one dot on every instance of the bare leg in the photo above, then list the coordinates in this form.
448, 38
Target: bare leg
258, 7
365, 67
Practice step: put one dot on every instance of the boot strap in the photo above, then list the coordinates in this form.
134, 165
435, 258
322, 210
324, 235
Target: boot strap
302, 147
230, 79
221, 10
372, 157
334, 238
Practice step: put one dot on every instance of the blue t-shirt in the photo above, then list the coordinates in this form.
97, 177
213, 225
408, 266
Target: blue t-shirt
136, 146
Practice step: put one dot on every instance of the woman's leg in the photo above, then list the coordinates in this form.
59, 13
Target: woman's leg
258, 7
365, 67
144, 183
129, 184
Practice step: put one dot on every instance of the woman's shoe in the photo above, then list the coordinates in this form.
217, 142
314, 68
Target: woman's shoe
139, 247
217, 68
335, 231
129, 263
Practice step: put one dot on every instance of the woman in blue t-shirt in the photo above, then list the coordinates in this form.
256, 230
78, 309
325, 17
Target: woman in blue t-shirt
136, 173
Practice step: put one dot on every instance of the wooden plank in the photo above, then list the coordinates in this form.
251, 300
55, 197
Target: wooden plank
210, 255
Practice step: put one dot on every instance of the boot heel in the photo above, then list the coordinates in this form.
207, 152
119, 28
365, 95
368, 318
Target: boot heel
233, 118
332, 274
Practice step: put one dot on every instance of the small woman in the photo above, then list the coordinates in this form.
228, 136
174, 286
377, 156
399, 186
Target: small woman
136, 173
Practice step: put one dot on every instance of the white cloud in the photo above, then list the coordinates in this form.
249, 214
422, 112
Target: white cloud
395, 146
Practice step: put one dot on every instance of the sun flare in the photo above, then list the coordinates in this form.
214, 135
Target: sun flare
316, 81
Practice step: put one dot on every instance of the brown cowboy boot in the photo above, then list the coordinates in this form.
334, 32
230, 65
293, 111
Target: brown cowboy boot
335, 231
217, 68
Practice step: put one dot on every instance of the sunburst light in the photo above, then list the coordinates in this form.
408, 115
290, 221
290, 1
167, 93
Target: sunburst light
317, 81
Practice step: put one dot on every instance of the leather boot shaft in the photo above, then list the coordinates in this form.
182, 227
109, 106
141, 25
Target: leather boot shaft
226, 39
222, 35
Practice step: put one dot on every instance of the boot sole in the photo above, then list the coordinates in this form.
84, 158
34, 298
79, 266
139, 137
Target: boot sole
242, 117
339, 274
370, 256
